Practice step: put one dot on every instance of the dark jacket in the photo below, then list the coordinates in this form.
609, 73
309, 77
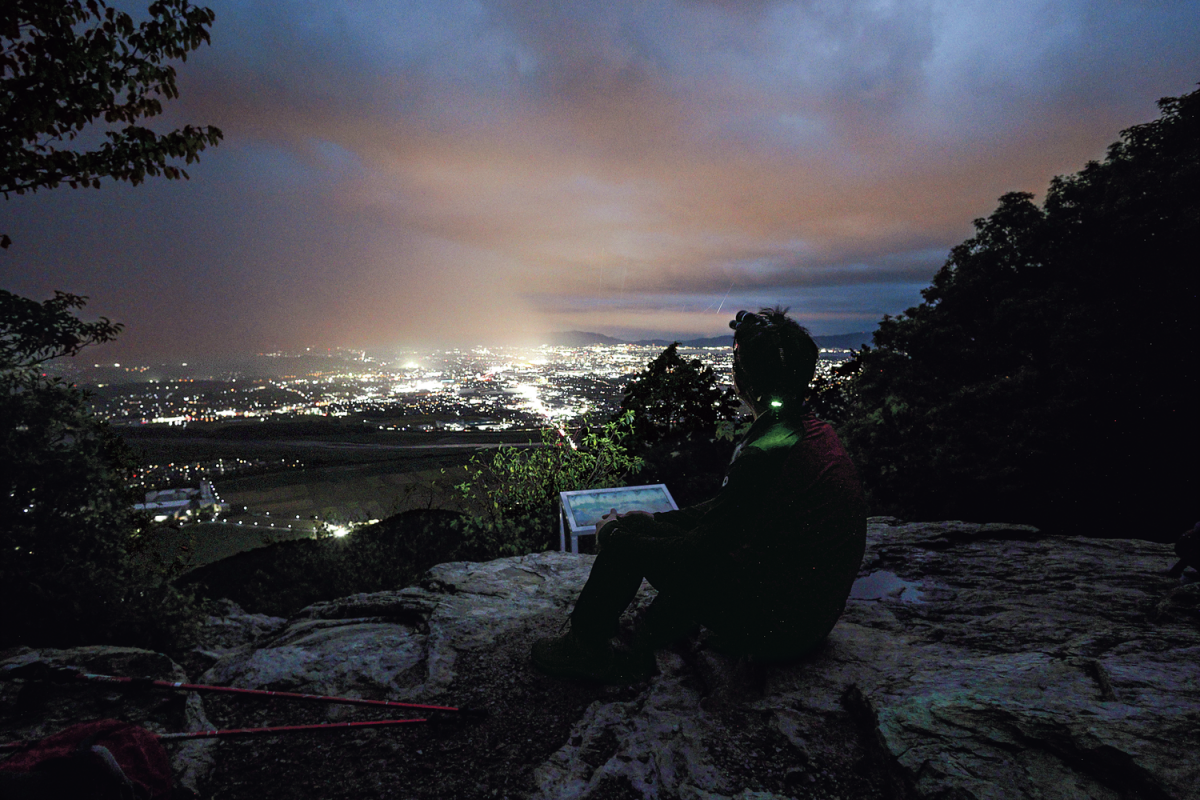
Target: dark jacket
769, 561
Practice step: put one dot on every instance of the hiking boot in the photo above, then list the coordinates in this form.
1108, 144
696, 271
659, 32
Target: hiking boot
573, 656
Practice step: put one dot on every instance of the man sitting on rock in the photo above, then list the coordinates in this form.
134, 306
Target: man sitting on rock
766, 565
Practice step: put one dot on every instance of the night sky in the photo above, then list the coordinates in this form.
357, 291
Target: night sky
412, 174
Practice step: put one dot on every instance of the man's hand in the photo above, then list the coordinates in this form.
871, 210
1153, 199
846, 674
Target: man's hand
612, 515
612, 533
607, 518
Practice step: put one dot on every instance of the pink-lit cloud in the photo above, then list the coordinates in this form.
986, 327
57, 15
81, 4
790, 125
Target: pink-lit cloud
404, 173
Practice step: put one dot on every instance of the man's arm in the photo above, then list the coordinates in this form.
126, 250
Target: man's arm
686, 517
712, 525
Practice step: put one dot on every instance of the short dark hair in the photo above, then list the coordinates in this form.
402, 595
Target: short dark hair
774, 358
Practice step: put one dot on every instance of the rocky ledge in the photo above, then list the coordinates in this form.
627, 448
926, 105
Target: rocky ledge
973, 661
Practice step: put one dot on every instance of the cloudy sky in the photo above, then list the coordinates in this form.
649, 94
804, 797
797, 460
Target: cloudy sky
410, 173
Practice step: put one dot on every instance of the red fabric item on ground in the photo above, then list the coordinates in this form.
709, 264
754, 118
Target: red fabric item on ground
137, 750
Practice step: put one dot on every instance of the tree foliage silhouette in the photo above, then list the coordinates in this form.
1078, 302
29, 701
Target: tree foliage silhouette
66, 65
673, 396
831, 396
1046, 377
67, 524
71, 69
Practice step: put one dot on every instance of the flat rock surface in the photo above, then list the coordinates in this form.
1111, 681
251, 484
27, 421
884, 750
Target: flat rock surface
973, 661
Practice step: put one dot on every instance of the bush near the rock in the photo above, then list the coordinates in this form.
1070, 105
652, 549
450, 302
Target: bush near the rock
508, 490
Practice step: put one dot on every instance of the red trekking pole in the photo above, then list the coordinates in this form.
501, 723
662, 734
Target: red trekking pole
232, 732
41, 671
381, 723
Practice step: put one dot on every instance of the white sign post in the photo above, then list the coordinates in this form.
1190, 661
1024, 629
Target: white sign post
578, 512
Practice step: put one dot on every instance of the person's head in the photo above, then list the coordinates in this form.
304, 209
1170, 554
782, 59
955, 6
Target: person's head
774, 359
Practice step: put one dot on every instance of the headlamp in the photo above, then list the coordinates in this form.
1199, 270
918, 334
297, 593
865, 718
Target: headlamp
744, 316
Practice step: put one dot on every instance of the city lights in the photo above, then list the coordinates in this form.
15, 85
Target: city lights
484, 389
490, 389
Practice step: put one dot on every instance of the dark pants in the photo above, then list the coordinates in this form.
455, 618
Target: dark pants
742, 607
612, 585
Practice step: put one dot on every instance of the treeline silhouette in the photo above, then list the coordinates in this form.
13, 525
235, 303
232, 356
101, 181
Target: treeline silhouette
1050, 374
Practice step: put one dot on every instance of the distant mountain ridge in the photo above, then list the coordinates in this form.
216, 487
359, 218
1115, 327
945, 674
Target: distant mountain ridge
841, 341
579, 339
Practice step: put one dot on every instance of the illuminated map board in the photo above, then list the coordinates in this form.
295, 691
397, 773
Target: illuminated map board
580, 511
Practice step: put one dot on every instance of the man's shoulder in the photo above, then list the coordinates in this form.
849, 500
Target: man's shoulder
779, 434
820, 444
786, 434
813, 427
